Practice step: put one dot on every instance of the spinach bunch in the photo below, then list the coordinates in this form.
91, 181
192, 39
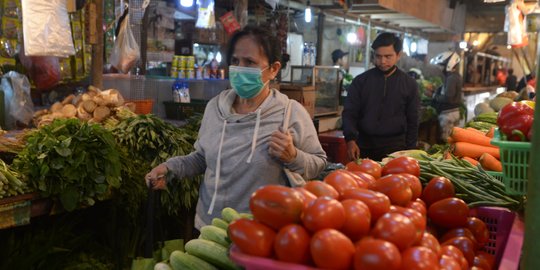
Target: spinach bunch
74, 160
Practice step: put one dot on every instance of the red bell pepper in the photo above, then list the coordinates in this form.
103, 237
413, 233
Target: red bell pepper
515, 121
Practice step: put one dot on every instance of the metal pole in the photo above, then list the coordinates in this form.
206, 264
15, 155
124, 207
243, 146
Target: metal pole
368, 42
97, 49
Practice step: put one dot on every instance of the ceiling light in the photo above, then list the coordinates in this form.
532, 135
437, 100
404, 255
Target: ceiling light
186, 3
475, 43
307, 13
351, 37
463, 45
413, 47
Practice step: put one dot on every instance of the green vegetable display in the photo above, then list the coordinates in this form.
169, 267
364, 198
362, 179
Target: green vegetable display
74, 160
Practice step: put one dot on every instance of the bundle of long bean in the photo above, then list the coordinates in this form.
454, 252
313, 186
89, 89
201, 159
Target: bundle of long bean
10, 182
473, 184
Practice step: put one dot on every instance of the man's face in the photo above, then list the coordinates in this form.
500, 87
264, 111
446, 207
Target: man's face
386, 57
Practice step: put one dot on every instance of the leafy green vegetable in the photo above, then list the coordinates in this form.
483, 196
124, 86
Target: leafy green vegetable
74, 160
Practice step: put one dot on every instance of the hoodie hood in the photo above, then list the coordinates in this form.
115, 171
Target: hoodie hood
226, 99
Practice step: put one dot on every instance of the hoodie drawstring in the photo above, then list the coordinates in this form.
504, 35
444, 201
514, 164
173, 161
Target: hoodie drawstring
218, 169
255, 134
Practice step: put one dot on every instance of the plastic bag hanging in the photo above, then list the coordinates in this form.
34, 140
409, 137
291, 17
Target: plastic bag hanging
46, 28
125, 52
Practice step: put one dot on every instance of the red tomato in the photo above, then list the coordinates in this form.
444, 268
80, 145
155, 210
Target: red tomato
414, 183
341, 180
455, 253
395, 228
481, 262
479, 230
449, 213
307, 197
320, 189
402, 165
330, 249
292, 244
324, 213
276, 206
376, 254
364, 180
456, 232
419, 258
429, 241
419, 206
243, 231
395, 187
489, 258
465, 245
417, 219
438, 188
366, 165
378, 203
357, 219
448, 263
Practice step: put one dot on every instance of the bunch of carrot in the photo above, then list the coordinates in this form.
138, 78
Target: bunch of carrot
475, 147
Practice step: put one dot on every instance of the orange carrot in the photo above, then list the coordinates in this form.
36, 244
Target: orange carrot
464, 135
490, 163
465, 149
491, 132
473, 161
450, 140
475, 130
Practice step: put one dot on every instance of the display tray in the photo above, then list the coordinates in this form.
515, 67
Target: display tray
505, 241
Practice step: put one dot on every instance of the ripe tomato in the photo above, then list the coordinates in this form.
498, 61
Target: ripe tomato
357, 219
307, 197
455, 253
320, 189
364, 180
402, 165
330, 249
448, 263
376, 254
276, 206
481, 262
419, 258
366, 165
429, 241
456, 232
378, 203
395, 228
292, 244
465, 245
395, 187
243, 231
414, 183
419, 206
341, 180
449, 213
438, 188
417, 219
479, 230
324, 213
489, 258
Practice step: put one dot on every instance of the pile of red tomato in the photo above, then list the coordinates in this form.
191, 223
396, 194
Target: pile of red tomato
365, 217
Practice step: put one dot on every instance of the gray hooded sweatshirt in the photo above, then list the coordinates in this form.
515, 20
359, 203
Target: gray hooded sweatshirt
232, 152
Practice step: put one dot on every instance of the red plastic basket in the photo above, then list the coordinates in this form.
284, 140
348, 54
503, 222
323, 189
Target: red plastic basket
505, 241
143, 106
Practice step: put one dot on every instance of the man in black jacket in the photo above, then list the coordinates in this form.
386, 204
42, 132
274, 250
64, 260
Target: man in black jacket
381, 110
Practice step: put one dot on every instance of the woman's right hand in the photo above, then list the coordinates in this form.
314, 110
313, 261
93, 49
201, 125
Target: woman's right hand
156, 178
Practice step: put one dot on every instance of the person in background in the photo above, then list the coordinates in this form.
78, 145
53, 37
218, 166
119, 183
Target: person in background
339, 60
381, 112
511, 81
448, 98
242, 144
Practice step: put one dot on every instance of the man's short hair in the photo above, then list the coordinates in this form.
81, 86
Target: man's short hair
386, 39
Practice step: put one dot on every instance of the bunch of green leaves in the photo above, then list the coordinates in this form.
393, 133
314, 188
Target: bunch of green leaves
74, 160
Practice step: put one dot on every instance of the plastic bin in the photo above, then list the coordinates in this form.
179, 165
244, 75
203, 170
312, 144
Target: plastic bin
505, 242
182, 111
515, 163
496, 175
143, 106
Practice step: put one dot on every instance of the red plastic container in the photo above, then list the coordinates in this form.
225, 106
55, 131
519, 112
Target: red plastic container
333, 143
505, 242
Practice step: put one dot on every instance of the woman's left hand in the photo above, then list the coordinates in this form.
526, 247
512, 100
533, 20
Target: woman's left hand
281, 146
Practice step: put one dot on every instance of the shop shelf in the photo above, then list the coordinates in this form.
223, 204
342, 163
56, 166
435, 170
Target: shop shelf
505, 242
515, 163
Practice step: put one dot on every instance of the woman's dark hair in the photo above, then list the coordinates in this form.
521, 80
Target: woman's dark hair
262, 36
386, 39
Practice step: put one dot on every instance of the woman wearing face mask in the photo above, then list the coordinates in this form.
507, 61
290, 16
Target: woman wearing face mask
249, 136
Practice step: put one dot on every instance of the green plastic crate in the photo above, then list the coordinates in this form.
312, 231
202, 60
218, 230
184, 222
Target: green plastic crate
515, 163
182, 111
496, 175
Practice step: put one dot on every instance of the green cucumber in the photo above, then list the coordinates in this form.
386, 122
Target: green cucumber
215, 234
220, 223
211, 252
229, 215
246, 215
183, 261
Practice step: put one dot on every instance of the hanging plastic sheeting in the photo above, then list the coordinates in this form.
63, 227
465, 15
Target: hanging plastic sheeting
206, 15
515, 23
46, 28
18, 102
